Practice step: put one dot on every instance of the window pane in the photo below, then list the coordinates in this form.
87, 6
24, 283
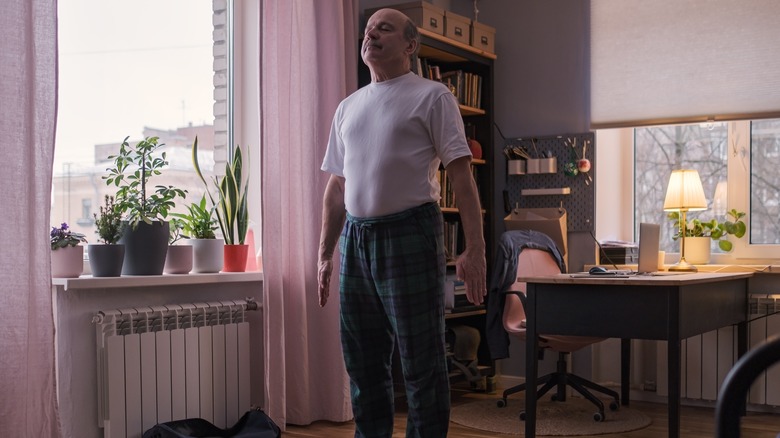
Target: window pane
137, 69
658, 151
765, 182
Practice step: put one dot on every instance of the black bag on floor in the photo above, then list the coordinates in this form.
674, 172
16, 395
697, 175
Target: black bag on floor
254, 424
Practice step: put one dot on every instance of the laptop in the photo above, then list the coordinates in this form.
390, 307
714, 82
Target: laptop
649, 244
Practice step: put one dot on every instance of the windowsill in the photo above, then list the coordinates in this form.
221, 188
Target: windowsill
89, 282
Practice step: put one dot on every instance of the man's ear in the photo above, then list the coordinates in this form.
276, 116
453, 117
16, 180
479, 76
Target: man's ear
411, 47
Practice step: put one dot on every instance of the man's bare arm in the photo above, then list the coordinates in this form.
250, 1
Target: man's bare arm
333, 216
471, 264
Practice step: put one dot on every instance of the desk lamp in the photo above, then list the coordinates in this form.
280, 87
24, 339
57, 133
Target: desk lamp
684, 194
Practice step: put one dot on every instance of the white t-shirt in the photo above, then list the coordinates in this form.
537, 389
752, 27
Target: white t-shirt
388, 139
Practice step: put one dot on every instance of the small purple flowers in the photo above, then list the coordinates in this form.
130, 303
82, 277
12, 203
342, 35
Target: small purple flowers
63, 236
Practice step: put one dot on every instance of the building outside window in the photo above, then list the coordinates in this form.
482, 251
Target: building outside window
137, 69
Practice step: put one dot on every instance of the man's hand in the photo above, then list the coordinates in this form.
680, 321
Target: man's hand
471, 269
324, 272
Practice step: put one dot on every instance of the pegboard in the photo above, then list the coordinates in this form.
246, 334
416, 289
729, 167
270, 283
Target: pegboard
580, 202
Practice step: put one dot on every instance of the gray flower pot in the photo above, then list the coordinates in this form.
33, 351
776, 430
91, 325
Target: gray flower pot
106, 260
145, 248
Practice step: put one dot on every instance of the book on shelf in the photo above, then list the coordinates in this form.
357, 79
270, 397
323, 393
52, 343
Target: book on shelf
454, 292
466, 86
463, 309
451, 240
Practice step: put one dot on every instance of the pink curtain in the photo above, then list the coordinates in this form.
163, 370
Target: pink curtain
308, 64
28, 106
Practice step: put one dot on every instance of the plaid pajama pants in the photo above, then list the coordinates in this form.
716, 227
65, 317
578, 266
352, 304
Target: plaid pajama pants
392, 288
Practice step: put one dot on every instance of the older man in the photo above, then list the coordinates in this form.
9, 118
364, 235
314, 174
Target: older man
386, 144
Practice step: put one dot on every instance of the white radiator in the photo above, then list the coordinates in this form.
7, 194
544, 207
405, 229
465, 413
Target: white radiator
165, 363
707, 358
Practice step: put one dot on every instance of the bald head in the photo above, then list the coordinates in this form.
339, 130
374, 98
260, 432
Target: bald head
390, 45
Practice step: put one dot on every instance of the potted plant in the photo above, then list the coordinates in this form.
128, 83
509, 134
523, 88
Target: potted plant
179, 258
700, 233
199, 225
67, 256
106, 258
231, 208
146, 236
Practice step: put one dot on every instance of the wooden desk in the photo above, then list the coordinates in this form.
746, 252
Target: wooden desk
669, 308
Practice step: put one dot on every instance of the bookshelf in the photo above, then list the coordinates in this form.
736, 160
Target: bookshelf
476, 107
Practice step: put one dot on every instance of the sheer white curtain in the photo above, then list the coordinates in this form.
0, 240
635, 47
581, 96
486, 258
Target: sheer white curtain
28, 108
308, 64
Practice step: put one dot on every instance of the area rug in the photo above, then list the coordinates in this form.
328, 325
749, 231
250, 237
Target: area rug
570, 418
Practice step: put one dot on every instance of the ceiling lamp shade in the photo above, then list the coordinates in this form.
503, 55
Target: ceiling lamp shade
685, 192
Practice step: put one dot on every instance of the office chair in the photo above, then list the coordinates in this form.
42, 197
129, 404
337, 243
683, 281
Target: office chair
536, 262
730, 406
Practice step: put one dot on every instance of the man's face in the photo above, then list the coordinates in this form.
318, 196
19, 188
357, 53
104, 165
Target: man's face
384, 45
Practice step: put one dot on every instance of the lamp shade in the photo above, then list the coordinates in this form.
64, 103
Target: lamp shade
685, 191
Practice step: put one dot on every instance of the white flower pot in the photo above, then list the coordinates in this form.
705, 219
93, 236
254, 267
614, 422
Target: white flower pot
697, 250
208, 255
67, 262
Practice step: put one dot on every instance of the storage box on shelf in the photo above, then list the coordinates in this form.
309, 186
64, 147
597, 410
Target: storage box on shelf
457, 27
483, 37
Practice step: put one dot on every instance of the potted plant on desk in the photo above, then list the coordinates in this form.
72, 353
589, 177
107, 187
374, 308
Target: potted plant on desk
146, 234
231, 208
199, 226
67, 256
700, 233
106, 258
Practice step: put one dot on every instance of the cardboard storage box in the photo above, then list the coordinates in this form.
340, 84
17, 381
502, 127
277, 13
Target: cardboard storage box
483, 37
424, 14
550, 221
457, 27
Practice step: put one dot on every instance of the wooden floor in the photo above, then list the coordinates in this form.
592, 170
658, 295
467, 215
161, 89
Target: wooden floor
696, 423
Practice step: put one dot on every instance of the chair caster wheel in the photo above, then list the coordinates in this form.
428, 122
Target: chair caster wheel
598, 417
614, 406
501, 403
522, 415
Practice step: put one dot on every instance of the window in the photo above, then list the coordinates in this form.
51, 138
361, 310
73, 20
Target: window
658, 151
737, 163
137, 69
765, 182
86, 212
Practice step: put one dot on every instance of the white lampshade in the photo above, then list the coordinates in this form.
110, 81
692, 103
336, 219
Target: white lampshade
685, 191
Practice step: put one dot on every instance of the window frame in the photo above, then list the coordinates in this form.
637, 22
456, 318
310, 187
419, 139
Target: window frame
615, 149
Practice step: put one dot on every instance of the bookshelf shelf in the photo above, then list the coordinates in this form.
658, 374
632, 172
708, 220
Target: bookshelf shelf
471, 111
448, 49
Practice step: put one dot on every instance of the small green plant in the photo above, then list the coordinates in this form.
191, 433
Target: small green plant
231, 204
175, 228
62, 237
199, 223
718, 231
109, 222
132, 170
